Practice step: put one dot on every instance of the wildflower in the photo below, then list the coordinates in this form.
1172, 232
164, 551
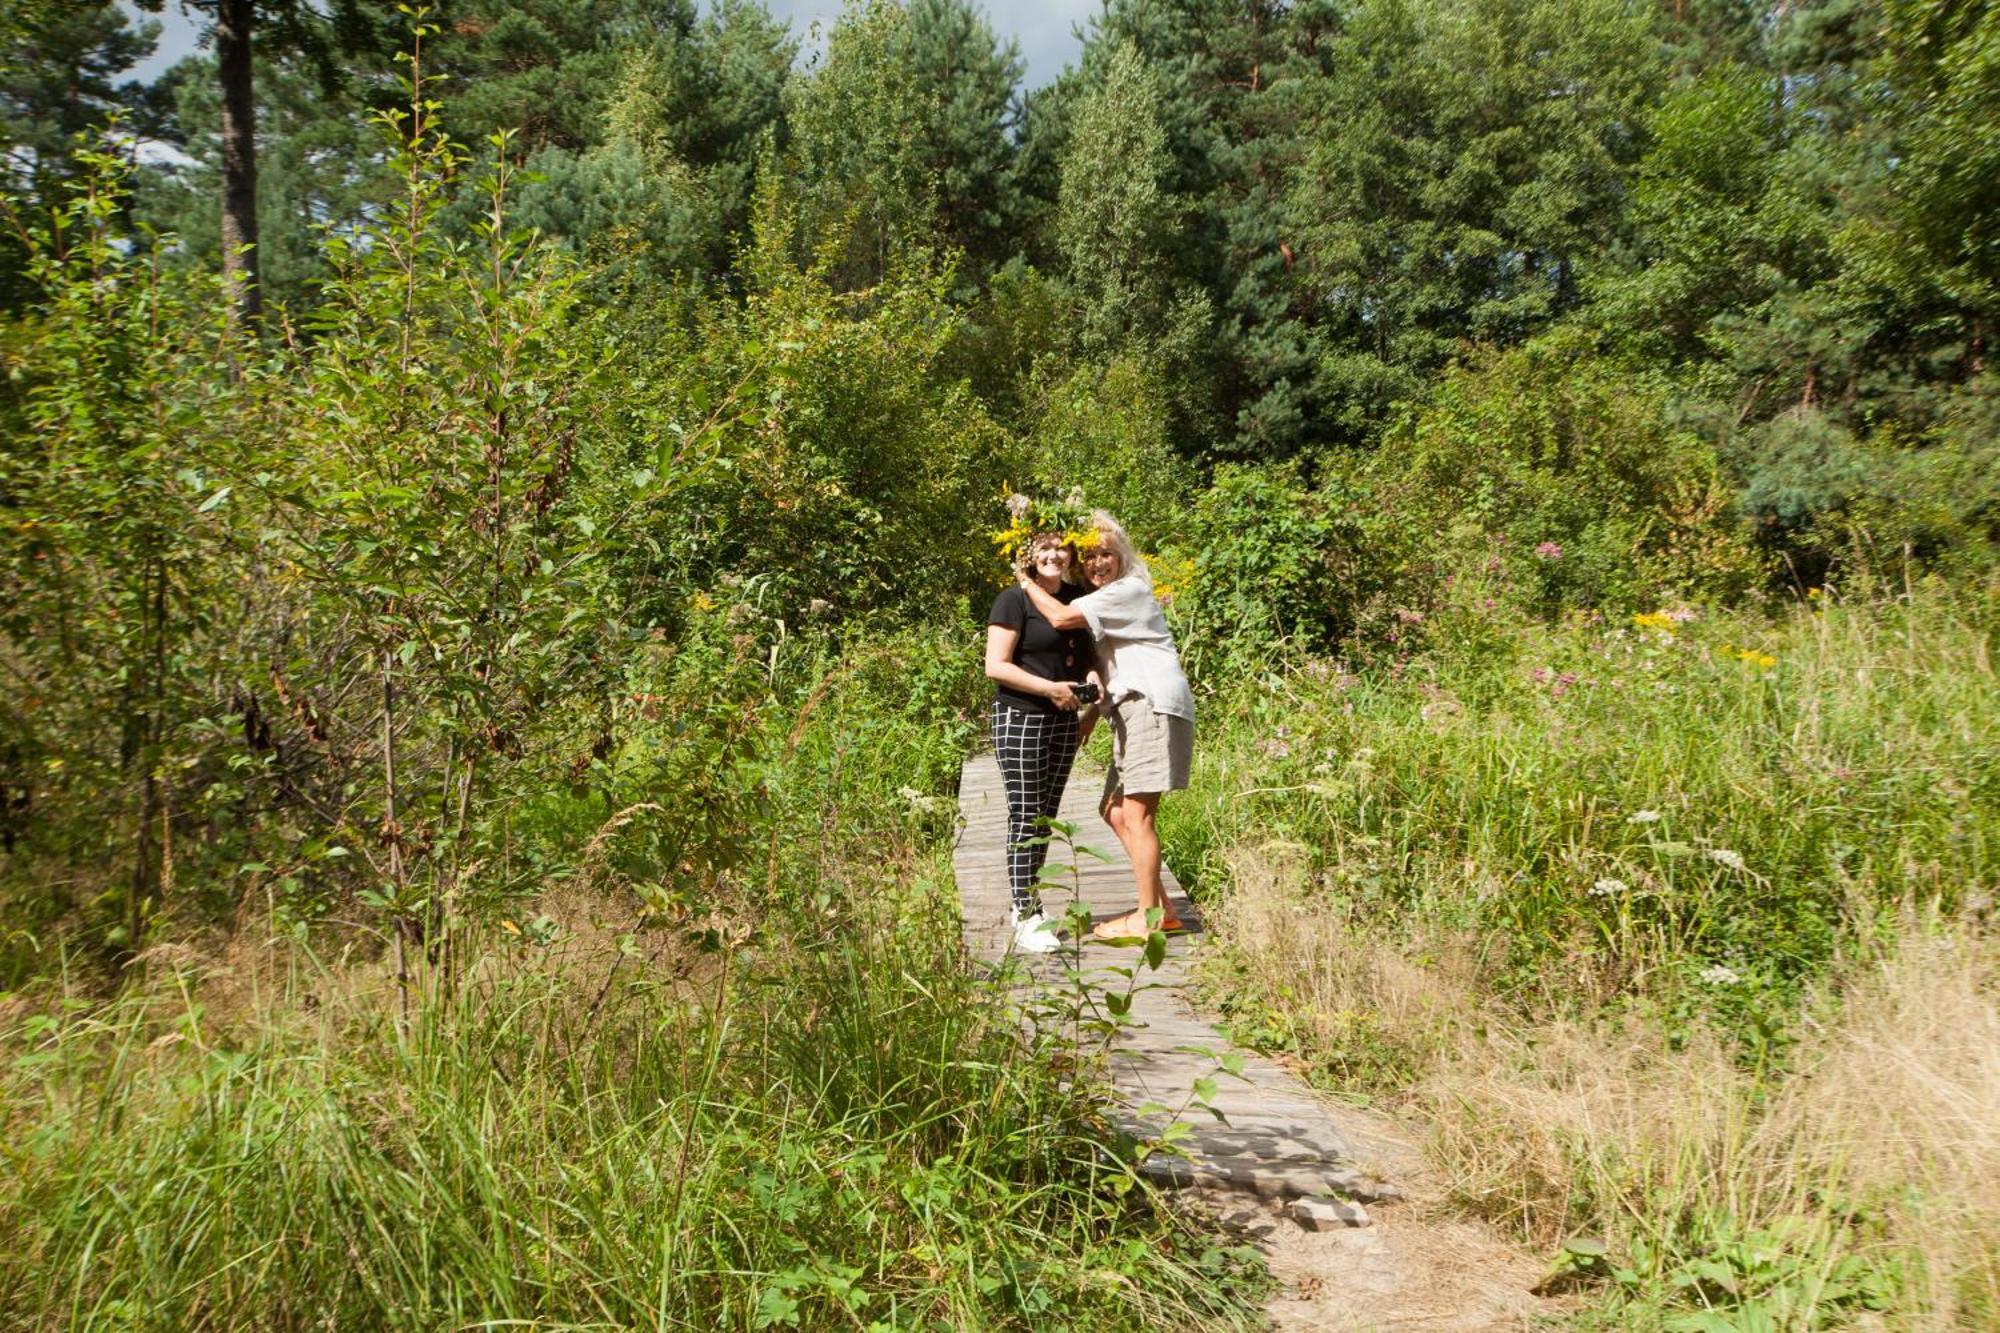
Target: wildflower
1550, 550
1643, 817
1722, 856
1561, 685
1277, 749
1540, 675
703, 602
1717, 974
1607, 888
1409, 617
1017, 506
1682, 615
1762, 661
1655, 620
923, 804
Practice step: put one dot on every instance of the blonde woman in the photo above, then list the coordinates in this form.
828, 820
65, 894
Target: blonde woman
1035, 666
1147, 698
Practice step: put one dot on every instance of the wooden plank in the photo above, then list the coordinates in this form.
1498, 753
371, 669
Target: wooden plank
1276, 1137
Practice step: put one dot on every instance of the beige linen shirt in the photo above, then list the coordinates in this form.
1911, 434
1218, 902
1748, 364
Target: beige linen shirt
1138, 653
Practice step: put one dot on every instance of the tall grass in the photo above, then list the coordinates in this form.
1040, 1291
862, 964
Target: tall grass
1675, 933
720, 1066
834, 1129
1720, 792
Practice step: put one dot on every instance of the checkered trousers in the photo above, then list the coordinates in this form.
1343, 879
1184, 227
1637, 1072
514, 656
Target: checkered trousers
1035, 751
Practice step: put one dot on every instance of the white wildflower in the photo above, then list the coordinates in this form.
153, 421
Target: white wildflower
923, 804
1717, 974
1643, 817
1722, 856
1605, 888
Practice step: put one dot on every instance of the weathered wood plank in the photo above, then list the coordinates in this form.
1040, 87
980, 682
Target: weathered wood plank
1276, 1137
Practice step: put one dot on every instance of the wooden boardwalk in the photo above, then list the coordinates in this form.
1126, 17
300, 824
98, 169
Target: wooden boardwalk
1276, 1137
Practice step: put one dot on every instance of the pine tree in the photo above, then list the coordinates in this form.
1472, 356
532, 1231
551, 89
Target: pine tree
1468, 168
903, 135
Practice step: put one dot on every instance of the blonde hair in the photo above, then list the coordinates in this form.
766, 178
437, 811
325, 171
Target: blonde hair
1111, 535
1024, 559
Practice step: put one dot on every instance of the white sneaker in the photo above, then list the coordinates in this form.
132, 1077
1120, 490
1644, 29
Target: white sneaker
1035, 933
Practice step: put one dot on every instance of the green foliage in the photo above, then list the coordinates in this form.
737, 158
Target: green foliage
1467, 159
1106, 431
319, 164
899, 140
1116, 223
829, 1126
1560, 473
59, 66
1262, 578
666, 191
112, 483
1704, 810
846, 470
1711, 1274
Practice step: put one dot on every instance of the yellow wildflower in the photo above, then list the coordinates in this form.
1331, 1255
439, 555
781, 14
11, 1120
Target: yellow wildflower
1655, 620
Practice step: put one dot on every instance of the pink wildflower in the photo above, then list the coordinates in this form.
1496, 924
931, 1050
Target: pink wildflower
1550, 550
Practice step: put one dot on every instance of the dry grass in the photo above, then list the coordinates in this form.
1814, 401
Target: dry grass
1885, 1142
1899, 1109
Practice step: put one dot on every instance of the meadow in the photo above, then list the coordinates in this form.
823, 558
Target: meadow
1672, 930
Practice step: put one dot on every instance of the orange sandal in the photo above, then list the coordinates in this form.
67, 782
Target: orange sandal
1120, 928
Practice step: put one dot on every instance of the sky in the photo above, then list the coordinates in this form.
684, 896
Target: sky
1044, 29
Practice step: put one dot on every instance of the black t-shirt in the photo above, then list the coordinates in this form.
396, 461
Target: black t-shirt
1042, 649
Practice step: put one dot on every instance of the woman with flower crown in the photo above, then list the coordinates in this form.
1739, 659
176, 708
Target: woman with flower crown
1037, 723
1146, 696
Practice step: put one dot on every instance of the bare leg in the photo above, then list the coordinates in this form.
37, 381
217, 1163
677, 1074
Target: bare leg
1132, 818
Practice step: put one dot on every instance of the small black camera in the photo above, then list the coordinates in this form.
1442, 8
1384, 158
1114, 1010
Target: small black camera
1086, 693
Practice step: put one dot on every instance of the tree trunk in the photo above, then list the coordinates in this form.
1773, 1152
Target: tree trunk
234, 20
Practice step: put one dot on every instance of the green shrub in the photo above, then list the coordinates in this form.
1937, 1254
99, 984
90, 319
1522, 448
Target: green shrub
1565, 468
1264, 558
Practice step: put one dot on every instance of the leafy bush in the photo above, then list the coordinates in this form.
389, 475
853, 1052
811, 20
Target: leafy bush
845, 473
1566, 465
1264, 569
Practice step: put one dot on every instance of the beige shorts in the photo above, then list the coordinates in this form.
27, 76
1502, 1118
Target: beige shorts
1150, 752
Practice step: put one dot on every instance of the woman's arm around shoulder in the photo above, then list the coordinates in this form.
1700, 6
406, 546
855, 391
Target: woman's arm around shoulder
1059, 614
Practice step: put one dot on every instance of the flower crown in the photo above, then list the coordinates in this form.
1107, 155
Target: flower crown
1029, 516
